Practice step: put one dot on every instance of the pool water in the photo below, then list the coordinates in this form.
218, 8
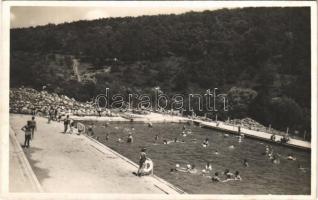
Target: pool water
261, 177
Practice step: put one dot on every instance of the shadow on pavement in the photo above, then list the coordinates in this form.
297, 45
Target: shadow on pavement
40, 173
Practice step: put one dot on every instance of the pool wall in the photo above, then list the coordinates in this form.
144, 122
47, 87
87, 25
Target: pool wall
162, 185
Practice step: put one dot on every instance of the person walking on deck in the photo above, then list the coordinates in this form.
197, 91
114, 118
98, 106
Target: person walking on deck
33, 127
51, 113
66, 123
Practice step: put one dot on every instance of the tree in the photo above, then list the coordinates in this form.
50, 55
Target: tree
239, 101
285, 112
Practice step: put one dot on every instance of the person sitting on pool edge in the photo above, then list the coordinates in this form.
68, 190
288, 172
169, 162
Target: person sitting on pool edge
142, 160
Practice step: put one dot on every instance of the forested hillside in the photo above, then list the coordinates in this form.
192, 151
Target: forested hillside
260, 57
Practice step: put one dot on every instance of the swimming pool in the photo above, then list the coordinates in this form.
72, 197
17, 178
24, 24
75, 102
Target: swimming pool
261, 177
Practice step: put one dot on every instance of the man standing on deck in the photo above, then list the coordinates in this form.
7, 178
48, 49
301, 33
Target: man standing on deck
33, 127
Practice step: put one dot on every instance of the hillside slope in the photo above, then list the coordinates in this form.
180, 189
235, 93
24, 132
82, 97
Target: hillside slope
259, 56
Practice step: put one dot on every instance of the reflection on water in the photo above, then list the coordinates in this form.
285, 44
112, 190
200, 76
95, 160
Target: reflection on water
261, 177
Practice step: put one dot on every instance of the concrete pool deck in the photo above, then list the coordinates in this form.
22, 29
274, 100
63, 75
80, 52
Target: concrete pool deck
75, 164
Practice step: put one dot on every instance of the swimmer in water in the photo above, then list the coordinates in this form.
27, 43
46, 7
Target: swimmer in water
235, 177
291, 157
205, 142
226, 135
267, 149
275, 160
207, 169
231, 147
165, 142
216, 152
175, 140
119, 140
175, 169
192, 169
228, 174
130, 138
156, 137
107, 137
183, 169
245, 163
303, 169
216, 177
150, 125
208, 166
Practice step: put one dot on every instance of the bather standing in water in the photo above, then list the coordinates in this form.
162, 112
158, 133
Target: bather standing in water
245, 163
205, 142
130, 138
208, 168
107, 137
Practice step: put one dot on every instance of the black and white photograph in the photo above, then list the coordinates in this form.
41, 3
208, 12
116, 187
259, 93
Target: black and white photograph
168, 99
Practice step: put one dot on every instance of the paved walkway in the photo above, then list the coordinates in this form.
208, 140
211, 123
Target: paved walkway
76, 164
21, 175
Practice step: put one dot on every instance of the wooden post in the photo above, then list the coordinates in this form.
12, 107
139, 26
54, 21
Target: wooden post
305, 135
